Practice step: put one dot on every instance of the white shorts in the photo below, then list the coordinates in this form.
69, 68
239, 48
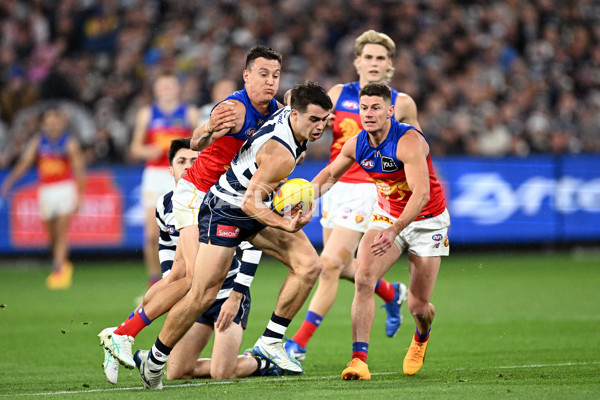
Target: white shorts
156, 181
187, 200
57, 199
349, 205
423, 238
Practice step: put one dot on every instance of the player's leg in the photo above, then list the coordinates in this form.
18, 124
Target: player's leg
337, 256
225, 363
183, 361
210, 270
369, 271
151, 245
423, 275
296, 252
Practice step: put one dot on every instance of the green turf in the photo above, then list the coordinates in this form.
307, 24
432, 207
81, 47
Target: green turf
515, 326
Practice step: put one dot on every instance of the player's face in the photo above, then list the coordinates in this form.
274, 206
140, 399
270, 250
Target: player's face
183, 159
310, 124
167, 89
373, 63
54, 123
262, 80
375, 113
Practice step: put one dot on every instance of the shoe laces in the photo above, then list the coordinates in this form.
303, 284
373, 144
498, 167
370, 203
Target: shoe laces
416, 351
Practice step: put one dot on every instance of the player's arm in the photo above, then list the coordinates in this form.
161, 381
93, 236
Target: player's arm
275, 163
406, 110
412, 151
241, 285
192, 115
24, 163
139, 149
227, 116
334, 171
78, 166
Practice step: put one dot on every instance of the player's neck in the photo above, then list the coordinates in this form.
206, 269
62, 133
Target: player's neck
261, 107
168, 105
377, 137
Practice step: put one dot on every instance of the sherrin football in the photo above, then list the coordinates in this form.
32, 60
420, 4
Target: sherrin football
294, 195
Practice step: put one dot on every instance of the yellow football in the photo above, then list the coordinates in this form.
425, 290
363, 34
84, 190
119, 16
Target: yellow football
294, 195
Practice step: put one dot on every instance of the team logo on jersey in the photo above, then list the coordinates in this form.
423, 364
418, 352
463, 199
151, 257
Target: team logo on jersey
388, 164
170, 229
350, 105
227, 231
368, 164
250, 132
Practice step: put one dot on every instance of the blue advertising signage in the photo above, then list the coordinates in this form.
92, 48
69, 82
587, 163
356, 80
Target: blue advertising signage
507, 200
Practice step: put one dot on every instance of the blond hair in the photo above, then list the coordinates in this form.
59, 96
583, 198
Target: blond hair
374, 37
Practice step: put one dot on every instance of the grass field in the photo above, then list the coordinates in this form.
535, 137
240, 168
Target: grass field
508, 325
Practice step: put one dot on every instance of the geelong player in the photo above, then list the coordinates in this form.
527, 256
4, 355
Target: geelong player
410, 214
233, 211
155, 126
347, 207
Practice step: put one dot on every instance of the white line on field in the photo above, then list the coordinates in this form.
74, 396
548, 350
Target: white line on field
279, 379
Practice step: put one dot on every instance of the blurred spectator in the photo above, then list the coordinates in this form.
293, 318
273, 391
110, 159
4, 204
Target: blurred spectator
514, 71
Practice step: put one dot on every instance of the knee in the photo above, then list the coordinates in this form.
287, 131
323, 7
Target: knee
222, 372
364, 280
332, 267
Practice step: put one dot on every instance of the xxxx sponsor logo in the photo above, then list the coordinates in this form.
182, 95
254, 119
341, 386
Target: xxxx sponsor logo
381, 218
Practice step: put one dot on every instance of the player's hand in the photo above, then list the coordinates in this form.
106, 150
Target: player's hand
383, 241
222, 117
301, 219
229, 310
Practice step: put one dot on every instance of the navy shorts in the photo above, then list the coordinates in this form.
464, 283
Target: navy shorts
225, 225
211, 315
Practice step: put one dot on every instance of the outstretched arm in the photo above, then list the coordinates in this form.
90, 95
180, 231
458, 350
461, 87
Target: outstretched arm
24, 163
334, 171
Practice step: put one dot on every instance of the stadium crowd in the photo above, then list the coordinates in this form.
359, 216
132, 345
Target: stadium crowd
490, 78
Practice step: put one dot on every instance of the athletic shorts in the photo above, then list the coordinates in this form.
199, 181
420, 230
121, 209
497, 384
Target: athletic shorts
57, 199
349, 205
212, 314
156, 181
424, 238
187, 200
224, 225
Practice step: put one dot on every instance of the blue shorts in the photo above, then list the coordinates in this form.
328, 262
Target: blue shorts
222, 224
212, 314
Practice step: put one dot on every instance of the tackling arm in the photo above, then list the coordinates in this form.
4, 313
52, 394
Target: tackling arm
334, 171
227, 116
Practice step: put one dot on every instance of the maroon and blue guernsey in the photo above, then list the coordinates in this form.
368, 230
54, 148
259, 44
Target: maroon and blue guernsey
387, 172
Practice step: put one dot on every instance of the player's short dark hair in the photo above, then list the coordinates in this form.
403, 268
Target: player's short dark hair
309, 93
176, 145
262, 52
377, 89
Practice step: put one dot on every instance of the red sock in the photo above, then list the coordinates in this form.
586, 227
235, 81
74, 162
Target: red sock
421, 338
132, 326
385, 290
361, 355
304, 334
